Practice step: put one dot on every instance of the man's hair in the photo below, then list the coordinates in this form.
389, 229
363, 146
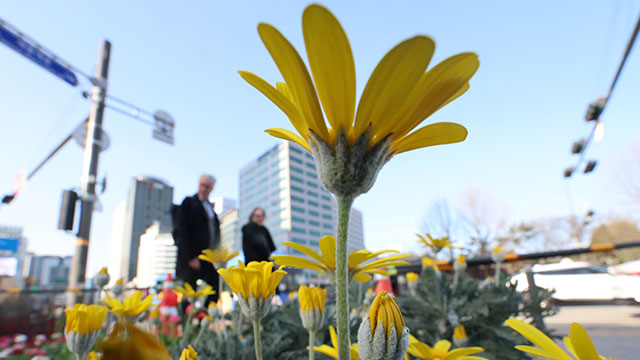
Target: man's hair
209, 178
253, 212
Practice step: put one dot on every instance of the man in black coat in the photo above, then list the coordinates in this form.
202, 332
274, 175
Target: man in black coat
197, 228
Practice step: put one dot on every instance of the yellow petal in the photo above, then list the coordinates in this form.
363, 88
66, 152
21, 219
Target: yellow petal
582, 344
435, 88
327, 350
332, 66
278, 98
328, 248
358, 257
288, 135
307, 251
334, 336
296, 76
392, 81
360, 277
296, 262
430, 135
537, 337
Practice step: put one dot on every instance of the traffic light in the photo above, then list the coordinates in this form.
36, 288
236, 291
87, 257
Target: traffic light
594, 110
590, 166
577, 146
67, 210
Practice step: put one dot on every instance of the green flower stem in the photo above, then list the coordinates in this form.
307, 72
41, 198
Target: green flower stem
220, 314
256, 339
497, 276
342, 276
312, 338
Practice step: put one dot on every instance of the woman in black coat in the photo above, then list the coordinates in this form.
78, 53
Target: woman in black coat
256, 239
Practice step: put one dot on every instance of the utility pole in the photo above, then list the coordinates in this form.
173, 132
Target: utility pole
89, 174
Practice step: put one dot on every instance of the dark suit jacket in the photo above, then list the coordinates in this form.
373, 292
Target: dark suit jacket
191, 234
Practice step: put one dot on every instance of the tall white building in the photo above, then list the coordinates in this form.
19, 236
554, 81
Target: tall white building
284, 182
231, 237
117, 241
157, 255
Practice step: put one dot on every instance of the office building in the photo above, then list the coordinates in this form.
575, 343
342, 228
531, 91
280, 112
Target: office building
50, 272
149, 200
157, 255
231, 236
284, 182
221, 205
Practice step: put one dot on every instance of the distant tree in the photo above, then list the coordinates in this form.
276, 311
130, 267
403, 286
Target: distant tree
483, 219
617, 231
439, 222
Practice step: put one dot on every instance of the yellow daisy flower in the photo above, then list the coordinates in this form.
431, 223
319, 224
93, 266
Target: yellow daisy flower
137, 345
189, 353
578, 343
397, 98
440, 351
218, 257
189, 292
84, 319
359, 267
436, 245
412, 277
131, 307
257, 279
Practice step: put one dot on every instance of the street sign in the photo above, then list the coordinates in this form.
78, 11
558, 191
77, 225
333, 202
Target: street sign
9, 244
36, 53
163, 129
80, 135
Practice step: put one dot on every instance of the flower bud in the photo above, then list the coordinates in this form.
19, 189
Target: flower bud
312, 307
460, 336
497, 255
102, 278
383, 334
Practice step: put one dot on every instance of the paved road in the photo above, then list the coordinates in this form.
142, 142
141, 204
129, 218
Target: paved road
614, 329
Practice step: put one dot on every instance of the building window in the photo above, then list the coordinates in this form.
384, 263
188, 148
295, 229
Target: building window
326, 197
314, 223
297, 189
326, 216
297, 179
326, 207
312, 175
295, 150
298, 230
298, 240
327, 226
297, 209
312, 203
298, 220
297, 170
310, 165
297, 199
296, 160
314, 233
313, 213
312, 184
311, 193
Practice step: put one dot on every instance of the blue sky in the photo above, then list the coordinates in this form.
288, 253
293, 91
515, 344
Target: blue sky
541, 64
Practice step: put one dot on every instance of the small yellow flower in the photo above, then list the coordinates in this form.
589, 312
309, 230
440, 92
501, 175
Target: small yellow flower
119, 282
293, 295
440, 351
412, 277
436, 245
189, 354
85, 319
332, 351
155, 313
578, 343
360, 269
189, 292
92, 356
383, 330
460, 336
103, 271
429, 262
497, 250
257, 279
138, 345
312, 307
131, 307
218, 257
461, 260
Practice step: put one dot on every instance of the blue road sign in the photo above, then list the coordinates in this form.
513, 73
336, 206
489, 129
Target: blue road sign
37, 56
9, 244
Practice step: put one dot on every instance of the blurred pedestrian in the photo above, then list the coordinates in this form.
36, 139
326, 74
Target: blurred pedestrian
257, 244
196, 227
